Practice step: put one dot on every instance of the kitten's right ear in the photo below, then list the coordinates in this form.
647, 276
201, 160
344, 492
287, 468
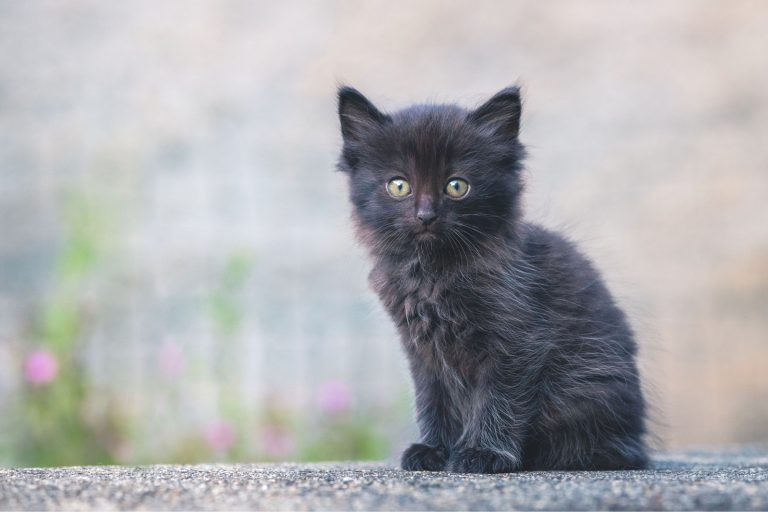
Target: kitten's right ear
357, 114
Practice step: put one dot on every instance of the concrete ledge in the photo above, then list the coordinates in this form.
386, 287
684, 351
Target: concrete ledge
680, 481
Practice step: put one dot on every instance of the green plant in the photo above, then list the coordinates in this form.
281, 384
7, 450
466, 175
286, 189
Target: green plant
57, 424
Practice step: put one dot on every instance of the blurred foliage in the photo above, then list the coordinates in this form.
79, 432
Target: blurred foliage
56, 425
224, 305
345, 438
65, 419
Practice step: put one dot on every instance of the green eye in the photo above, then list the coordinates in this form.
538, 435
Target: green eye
398, 187
457, 188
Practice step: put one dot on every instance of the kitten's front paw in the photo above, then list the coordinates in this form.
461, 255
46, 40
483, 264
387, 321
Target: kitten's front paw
481, 460
420, 457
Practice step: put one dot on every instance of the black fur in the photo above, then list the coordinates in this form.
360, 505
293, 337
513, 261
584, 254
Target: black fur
520, 358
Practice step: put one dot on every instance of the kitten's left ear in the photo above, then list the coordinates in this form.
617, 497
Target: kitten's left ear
502, 112
357, 114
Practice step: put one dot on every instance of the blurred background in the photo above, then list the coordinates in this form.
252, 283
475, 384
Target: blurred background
178, 277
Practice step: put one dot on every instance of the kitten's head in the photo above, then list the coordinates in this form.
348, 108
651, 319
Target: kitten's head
434, 177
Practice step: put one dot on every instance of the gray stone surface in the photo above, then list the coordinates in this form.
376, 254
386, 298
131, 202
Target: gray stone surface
705, 480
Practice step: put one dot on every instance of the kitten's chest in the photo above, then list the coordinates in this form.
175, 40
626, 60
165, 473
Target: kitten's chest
428, 310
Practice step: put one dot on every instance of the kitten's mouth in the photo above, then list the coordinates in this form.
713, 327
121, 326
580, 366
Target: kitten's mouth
426, 233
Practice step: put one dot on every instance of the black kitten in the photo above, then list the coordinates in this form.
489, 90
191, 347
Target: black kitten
520, 358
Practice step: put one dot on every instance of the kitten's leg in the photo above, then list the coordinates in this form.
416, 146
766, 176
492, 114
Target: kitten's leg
595, 425
495, 431
437, 424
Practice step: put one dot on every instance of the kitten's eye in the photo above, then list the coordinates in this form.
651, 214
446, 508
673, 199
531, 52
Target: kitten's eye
398, 187
457, 188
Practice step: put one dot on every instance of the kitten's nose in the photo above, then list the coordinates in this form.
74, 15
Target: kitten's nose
426, 216
425, 209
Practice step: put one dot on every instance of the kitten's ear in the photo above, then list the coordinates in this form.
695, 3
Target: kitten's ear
502, 112
357, 114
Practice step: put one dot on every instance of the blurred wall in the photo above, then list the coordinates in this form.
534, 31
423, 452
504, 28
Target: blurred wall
175, 238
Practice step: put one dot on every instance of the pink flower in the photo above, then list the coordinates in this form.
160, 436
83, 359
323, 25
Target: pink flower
171, 360
41, 367
334, 396
220, 436
277, 441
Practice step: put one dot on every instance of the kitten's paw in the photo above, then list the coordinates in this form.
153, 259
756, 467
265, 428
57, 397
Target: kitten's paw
481, 460
420, 457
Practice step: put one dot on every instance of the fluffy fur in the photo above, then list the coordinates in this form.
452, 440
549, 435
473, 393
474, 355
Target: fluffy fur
519, 356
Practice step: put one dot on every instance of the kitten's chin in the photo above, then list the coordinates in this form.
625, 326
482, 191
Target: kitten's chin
428, 242
426, 236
